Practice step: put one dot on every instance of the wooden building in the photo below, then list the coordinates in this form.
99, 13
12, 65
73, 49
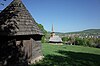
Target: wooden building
54, 38
19, 36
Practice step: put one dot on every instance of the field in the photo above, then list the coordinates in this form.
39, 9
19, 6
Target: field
69, 55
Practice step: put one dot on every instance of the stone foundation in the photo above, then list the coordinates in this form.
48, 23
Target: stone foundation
37, 59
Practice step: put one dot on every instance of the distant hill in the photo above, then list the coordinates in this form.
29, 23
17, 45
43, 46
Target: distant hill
88, 31
92, 31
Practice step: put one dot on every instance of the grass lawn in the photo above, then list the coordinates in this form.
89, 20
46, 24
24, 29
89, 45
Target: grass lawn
68, 55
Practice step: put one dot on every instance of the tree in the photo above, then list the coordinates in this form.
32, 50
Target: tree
42, 28
43, 40
65, 39
79, 41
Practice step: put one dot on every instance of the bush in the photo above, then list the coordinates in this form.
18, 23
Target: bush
43, 40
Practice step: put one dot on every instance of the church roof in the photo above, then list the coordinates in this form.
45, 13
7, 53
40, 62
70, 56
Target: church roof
16, 20
55, 39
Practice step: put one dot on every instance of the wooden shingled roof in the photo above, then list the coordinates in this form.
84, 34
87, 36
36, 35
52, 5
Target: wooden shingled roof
16, 20
55, 39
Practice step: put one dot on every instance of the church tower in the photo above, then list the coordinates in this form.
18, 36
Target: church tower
52, 33
54, 38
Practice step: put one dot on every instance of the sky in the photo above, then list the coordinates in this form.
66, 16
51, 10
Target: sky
65, 15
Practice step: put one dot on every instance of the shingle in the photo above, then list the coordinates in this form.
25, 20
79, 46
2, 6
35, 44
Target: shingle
55, 39
17, 14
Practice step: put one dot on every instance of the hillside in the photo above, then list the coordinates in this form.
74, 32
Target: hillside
92, 31
88, 32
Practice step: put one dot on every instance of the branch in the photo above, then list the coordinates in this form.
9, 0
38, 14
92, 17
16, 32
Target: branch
1, 4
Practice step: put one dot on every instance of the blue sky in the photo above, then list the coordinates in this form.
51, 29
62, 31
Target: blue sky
65, 15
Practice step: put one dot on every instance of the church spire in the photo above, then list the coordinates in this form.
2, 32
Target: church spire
52, 28
52, 33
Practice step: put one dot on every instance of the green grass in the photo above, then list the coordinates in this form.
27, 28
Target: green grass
68, 55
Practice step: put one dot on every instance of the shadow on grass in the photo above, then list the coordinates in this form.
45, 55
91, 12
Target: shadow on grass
69, 58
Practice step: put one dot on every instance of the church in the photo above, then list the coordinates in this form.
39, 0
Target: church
54, 38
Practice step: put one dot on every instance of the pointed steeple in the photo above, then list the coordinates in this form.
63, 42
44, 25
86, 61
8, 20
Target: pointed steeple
52, 33
54, 38
52, 28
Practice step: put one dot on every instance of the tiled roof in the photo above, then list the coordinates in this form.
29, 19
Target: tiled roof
16, 20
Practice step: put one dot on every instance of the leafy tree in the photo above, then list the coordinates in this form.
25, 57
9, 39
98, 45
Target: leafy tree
64, 39
42, 28
43, 40
79, 41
